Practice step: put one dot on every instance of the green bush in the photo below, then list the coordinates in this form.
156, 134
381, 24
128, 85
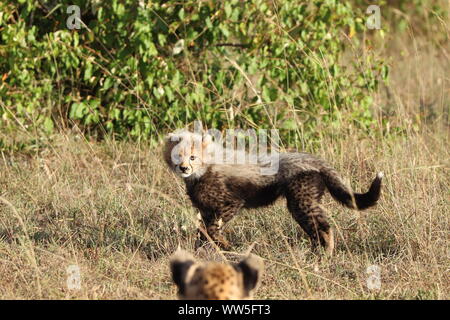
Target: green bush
137, 68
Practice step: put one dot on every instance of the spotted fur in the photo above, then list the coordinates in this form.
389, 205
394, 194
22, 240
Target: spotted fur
214, 280
220, 190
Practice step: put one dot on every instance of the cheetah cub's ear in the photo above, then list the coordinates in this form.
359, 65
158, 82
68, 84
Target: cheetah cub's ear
206, 140
252, 269
180, 265
208, 148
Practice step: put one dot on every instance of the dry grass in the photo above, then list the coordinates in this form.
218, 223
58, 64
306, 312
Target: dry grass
114, 210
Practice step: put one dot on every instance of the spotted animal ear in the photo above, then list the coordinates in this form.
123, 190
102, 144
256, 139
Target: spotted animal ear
180, 264
252, 269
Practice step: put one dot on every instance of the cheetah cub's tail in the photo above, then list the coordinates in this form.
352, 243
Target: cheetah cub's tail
340, 192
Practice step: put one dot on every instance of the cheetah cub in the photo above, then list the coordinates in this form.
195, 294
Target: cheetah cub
219, 190
214, 280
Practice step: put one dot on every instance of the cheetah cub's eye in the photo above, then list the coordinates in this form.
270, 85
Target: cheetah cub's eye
192, 158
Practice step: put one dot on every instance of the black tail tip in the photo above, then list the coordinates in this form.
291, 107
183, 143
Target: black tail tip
370, 198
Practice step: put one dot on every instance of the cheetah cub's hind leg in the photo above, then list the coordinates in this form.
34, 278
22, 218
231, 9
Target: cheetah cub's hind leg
304, 193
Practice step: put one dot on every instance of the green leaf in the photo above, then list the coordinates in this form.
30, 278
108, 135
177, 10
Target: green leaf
48, 125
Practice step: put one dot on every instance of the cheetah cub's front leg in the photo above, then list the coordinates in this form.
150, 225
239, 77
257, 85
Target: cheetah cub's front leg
214, 224
213, 227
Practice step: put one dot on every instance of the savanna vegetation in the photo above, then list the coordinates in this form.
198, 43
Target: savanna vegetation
83, 112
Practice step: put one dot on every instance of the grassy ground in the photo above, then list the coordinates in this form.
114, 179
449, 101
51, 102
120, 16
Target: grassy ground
114, 210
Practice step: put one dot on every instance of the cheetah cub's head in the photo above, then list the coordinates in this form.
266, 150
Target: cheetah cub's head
213, 280
187, 153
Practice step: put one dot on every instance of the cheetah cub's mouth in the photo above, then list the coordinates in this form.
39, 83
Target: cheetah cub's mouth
185, 172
